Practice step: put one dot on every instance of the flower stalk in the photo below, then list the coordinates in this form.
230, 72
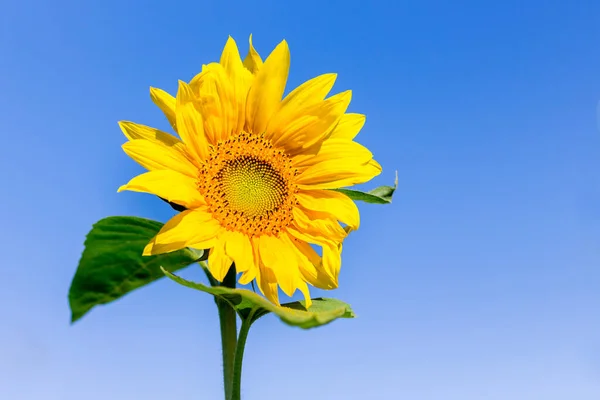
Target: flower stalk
239, 357
228, 322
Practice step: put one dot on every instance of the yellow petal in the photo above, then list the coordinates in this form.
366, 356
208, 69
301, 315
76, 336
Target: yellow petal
217, 103
308, 94
348, 126
303, 287
240, 78
185, 229
253, 62
170, 185
239, 248
337, 173
324, 273
267, 89
267, 284
166, 103
310, 224
313, 124
334, 204
309, 237
189, 123
218, 261
248, 276
375, 164
311, 266
332, 260
230, 57
253, 273
333, 149
155, 156
133, 131
279, 256
196, 81
204, 244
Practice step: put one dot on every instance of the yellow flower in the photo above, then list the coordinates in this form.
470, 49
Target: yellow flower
255, 172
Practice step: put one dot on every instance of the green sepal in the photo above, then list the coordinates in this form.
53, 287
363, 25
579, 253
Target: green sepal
112, 263
251, 305
380, 195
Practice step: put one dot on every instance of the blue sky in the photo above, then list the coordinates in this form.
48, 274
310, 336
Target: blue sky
481, 281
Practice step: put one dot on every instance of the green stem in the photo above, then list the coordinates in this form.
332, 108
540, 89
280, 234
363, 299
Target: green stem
228, 320
239, 356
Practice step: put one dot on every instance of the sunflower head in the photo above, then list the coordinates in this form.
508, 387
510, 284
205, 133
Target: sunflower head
255, 173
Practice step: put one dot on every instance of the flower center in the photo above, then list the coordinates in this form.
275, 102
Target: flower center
249, 185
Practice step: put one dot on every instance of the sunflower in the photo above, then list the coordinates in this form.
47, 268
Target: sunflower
255, 172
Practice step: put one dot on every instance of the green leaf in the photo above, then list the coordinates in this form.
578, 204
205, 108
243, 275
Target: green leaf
251, 305
112, 264
380, 195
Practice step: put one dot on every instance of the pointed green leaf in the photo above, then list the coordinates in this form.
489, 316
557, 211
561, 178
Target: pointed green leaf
251, 305
380, 195
112, 264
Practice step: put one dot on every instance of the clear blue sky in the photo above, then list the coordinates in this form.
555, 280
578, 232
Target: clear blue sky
480, 282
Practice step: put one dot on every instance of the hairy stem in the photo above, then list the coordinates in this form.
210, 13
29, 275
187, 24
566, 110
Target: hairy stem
228, 321
239, 356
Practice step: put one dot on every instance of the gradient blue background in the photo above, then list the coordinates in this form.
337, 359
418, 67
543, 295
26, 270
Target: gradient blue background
480, 282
